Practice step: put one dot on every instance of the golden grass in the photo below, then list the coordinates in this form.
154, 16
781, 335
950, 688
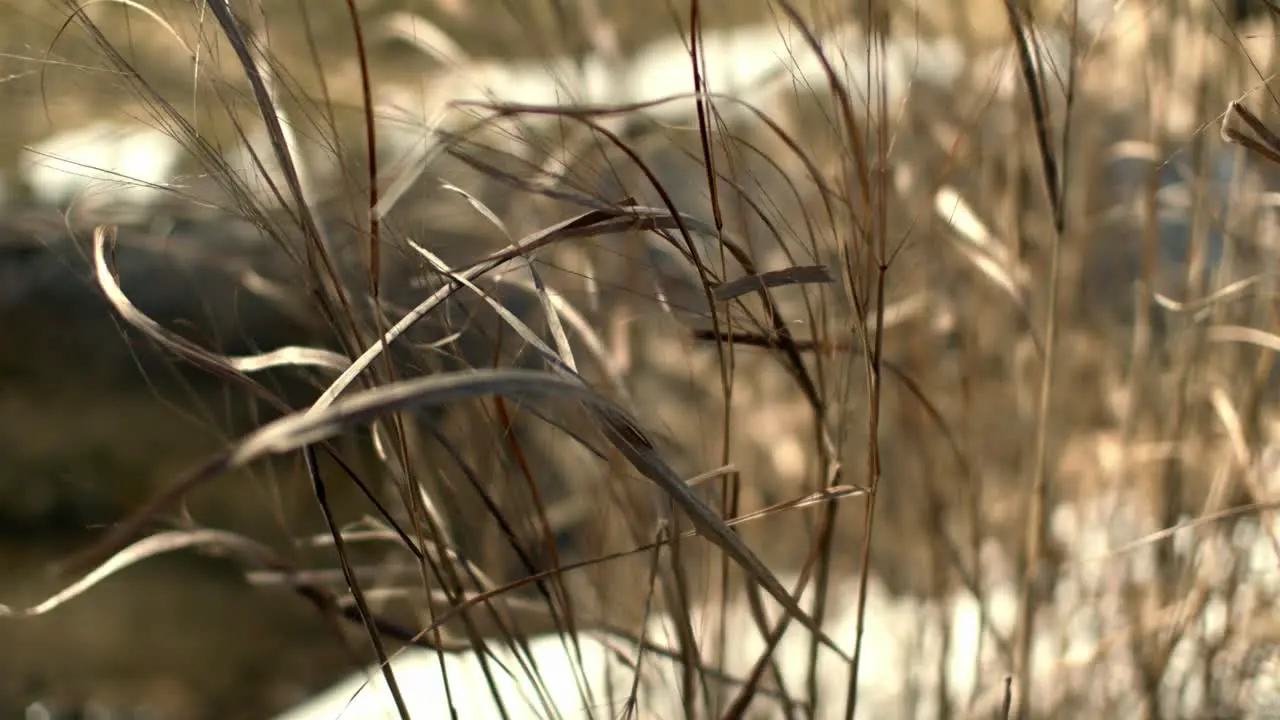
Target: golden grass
917, 437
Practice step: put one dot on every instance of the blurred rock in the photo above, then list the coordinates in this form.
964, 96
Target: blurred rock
1224, 214
115, 171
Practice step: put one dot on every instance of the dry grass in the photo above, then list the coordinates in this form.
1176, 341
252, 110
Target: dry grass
937, 322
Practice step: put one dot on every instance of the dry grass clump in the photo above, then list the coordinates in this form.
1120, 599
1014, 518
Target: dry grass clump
603, 363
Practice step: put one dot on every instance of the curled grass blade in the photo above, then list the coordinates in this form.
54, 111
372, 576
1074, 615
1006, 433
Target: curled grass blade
798, 275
